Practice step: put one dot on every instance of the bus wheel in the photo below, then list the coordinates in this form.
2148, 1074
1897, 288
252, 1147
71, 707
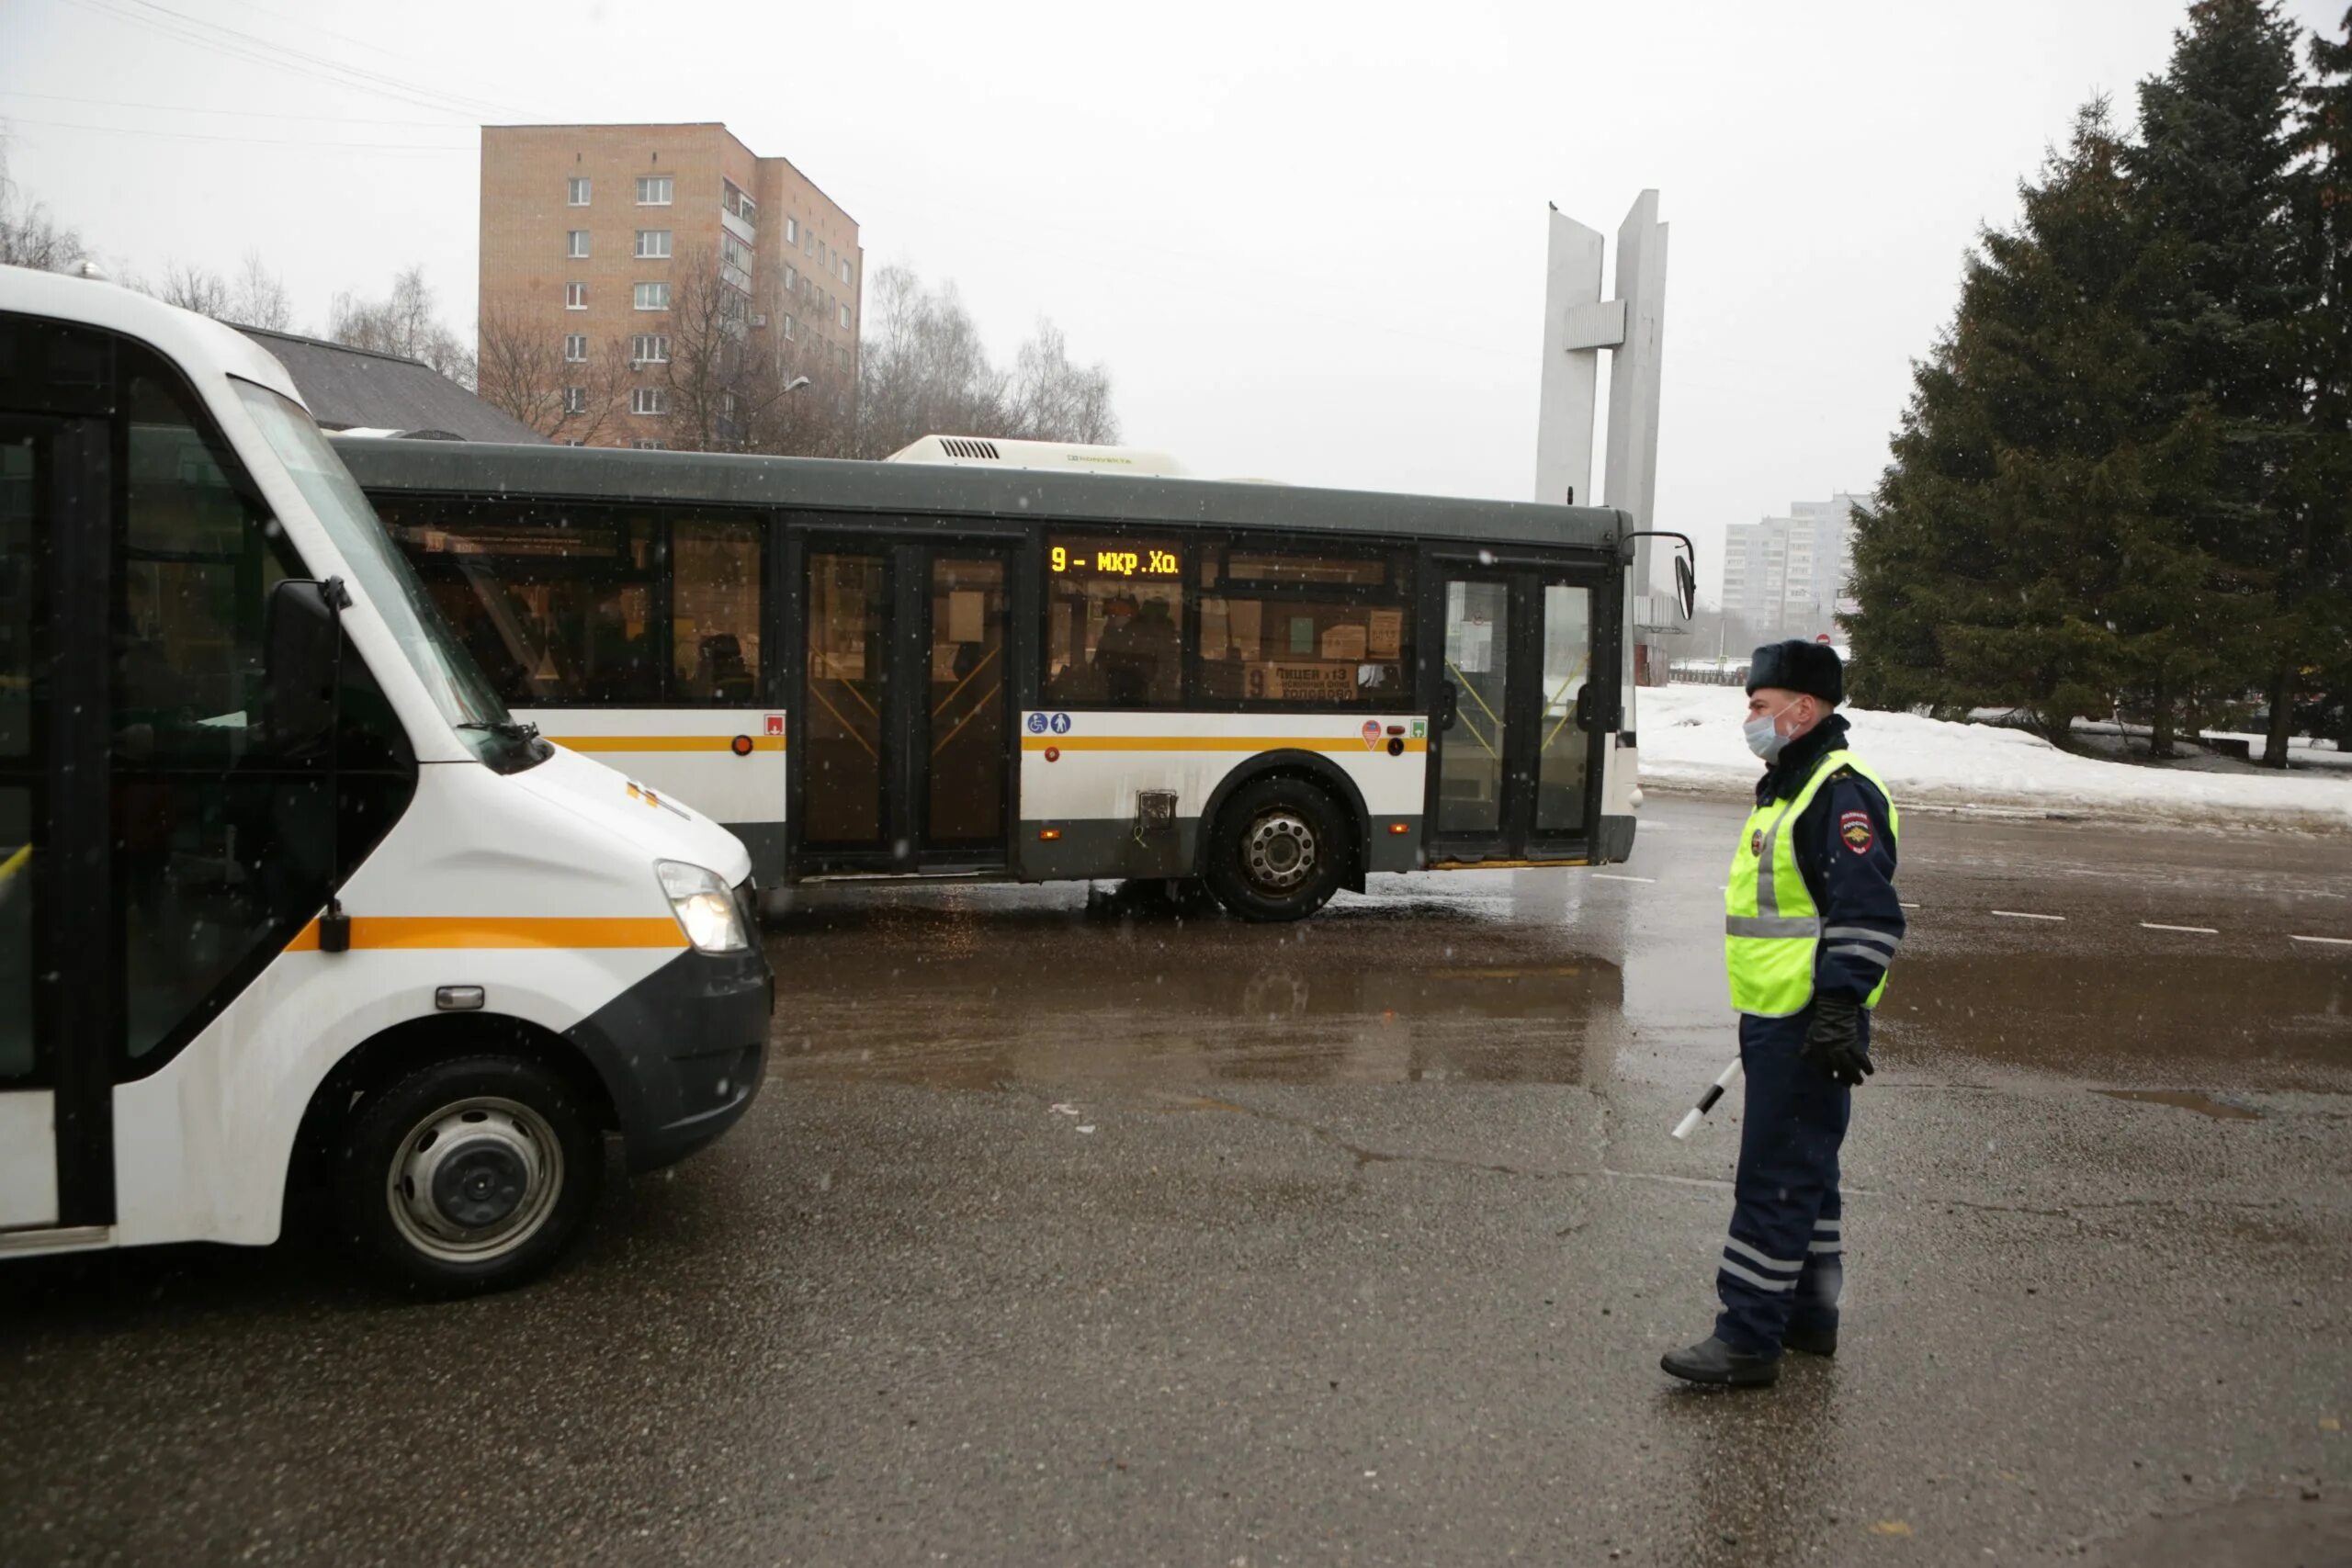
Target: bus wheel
468, 1175
1277, 852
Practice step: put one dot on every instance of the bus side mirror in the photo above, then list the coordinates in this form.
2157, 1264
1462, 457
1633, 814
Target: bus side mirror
301, 663
1686, 586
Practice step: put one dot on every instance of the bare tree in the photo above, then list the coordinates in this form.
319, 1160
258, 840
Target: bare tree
29, 235
194, 288
405, 324
521, 369
259, 297
725, 378
1053, 399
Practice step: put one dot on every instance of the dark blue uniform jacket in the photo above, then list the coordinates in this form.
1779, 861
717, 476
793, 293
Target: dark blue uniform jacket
1848, 857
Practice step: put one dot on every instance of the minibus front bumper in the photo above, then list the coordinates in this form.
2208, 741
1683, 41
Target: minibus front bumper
682, 1052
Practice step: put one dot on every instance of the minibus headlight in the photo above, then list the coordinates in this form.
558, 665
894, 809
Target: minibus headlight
706, 910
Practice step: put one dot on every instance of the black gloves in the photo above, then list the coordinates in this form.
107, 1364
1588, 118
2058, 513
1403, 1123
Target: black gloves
1833, 1041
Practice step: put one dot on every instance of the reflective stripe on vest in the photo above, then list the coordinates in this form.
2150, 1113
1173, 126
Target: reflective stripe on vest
1771, 930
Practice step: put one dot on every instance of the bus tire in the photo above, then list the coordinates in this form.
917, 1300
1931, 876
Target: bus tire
468, 1175
1278, 850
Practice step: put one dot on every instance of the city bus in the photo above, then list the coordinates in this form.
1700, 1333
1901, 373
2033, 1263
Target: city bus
985, 669
294, 915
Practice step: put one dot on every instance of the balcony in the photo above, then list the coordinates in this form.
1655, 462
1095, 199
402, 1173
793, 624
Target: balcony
735, 224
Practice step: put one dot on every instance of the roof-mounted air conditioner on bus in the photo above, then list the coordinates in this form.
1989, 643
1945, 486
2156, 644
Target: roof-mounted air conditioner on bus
1065, 456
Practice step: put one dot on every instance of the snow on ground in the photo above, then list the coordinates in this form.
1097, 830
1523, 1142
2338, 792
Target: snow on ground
1691, 740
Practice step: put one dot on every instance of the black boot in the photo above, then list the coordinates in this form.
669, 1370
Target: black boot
1812, 1341
1712, 1361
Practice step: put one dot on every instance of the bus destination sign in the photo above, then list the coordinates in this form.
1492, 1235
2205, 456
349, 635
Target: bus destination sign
1114, 560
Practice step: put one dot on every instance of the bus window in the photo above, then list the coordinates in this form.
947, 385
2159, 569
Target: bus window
715, 613
1306, 630
222, 839
1115, 616
557, 604
18, 556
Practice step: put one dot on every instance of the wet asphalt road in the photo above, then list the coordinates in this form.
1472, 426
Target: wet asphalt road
1071, 1228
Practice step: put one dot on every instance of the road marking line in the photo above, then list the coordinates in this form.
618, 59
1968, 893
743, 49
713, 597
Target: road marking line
2022, 915
1608, 876
1908, 906
2191, 931
2330, 941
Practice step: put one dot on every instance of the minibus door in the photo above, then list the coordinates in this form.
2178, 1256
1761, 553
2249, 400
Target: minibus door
1519, 719
56, 992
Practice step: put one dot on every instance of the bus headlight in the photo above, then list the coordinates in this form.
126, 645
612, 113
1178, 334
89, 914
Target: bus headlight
706, 910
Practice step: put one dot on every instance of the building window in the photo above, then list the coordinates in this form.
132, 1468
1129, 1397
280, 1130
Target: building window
648, 399
649, 348
791, 230
791, 279
653, 245
732, 198
575, 348
575, 296
790, 326
575, 244
653, 190
845, 318
649, 445
1114, 613
846, 271
575, 400
577, 191
652, 296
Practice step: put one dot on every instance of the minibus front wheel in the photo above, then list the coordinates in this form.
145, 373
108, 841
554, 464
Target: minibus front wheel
468, 1175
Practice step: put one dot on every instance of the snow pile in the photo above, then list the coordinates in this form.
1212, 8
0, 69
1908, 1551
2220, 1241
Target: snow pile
1690, 739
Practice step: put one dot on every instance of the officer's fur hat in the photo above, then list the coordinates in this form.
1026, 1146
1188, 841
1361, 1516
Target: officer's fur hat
1812, 667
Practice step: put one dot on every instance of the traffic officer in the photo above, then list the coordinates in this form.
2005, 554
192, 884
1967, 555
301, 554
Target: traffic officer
1810, 922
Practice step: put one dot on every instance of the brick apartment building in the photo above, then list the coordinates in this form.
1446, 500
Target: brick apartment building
582, 228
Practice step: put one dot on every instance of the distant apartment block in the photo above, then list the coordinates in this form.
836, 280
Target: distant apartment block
586, 230
1787, 575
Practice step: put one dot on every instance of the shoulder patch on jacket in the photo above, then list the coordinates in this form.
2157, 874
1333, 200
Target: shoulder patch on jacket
1854, 827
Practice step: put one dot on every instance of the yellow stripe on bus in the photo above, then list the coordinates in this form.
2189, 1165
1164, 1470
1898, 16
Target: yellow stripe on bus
1214, 743
662, 742
419, 931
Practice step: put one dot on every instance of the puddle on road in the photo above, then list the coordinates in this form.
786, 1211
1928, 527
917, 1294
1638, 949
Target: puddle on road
2186, 1099
972, 997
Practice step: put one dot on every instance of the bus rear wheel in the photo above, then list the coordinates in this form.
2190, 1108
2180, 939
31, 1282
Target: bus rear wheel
468, 1175
1277, 852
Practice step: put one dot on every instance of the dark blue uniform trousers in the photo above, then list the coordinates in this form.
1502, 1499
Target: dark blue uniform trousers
1781, 1264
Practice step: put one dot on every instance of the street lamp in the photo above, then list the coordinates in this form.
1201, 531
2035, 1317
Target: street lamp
796, 383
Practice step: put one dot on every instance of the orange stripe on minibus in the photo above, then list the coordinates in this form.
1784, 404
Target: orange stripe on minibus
663, 742
1209, 744
419, 931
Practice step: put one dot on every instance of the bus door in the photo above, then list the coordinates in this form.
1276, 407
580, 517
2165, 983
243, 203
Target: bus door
1525, 692
903, 744
56, 981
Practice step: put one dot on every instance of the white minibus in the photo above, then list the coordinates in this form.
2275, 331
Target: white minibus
289, 903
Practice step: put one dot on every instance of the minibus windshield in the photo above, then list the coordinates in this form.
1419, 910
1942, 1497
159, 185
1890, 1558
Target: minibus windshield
463, 693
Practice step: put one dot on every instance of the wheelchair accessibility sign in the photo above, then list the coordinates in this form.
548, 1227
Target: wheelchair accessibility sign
1036, 724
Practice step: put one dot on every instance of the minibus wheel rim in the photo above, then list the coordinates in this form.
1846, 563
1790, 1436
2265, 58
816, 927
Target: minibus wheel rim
475, 1180
1279, 850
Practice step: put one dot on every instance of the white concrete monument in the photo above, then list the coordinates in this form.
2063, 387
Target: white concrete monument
1577, 324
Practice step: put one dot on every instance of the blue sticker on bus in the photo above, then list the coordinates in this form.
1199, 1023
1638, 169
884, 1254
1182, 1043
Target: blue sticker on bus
1061, 724
1036, 724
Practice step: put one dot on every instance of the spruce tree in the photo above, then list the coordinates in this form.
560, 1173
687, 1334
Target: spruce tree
2213, 171
2316, 598
2019, 551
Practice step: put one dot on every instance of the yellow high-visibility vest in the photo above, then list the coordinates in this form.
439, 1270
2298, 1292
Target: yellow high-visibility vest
1771, 930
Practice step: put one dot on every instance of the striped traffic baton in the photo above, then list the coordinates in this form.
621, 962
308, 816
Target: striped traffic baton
1691, 1120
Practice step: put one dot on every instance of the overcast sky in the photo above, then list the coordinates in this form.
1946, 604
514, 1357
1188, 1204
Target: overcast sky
1308, 241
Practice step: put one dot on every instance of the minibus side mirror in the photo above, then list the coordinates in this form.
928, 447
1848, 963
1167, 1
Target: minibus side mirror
301, 663
1686, 586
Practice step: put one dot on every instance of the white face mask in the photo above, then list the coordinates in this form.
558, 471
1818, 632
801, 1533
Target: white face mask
1763, 734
